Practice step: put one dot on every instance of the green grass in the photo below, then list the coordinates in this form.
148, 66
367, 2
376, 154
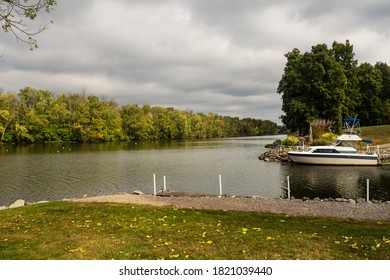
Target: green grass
77, 231
378, 134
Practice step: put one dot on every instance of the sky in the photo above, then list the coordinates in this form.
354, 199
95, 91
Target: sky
225, 57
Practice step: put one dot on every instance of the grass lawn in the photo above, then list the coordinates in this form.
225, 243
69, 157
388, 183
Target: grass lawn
378, 134
77, 231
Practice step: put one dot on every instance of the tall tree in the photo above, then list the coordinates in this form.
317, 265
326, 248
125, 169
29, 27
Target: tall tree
345, 56
370, 83
16, 14
312, 87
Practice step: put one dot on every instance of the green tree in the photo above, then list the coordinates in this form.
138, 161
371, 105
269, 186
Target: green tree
34, 114
15, 15
385, 91
137, 122
312, 87
345, 56
9, 107
371, 109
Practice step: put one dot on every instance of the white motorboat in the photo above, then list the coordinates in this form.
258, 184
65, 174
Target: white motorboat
343, 152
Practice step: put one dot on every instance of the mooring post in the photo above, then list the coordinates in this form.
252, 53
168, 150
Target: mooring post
154, 184
368, 190
288, 187
165, 184
220, 185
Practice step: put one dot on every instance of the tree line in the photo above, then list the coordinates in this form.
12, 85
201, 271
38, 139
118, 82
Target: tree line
328, 83
34, 116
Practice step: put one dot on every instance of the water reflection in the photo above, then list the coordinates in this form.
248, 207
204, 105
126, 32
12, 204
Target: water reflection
338, 181
57, 171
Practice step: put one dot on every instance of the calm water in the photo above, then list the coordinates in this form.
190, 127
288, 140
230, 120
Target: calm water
57, 171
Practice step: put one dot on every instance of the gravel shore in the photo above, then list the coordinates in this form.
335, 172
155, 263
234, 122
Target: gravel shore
344, 210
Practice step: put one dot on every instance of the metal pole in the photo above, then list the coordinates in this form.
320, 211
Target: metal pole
288, 187
220, 185
154, 184
368, 190
165, 184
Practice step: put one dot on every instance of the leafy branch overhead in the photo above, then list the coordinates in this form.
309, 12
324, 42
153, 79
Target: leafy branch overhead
17, 15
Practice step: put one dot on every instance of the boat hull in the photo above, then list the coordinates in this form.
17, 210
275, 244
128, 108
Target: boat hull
333, 159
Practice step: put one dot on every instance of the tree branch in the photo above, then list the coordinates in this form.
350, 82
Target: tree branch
14, 15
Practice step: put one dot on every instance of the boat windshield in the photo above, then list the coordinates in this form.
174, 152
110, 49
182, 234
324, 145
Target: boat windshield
326, 151
345, 144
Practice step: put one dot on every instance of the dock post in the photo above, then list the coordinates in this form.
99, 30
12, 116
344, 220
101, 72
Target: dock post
368, 190
165, 184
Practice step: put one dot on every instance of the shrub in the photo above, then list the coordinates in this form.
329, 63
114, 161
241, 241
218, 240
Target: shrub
320, 142
329, 136
290, 141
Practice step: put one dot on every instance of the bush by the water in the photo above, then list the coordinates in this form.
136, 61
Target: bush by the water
290, 141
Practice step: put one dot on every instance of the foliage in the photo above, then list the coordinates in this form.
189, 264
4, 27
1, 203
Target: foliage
320, 142
329, 136
87, 231
320, 127
15, 13
290, 141
39, 116
327, 83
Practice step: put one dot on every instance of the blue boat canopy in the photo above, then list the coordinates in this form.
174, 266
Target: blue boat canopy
351, 120
367, 141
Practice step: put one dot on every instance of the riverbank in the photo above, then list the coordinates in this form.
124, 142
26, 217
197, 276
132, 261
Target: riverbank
338, 208
328, 208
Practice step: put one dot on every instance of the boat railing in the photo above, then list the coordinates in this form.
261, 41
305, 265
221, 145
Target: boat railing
385, 151
283, 148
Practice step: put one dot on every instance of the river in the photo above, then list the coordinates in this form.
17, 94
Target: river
57, 171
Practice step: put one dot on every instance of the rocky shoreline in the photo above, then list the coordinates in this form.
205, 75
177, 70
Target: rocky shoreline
331, 208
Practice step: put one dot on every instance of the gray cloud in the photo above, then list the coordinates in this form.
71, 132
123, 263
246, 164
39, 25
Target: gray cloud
225, 57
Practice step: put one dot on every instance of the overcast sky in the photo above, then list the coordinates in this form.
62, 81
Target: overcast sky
225, 57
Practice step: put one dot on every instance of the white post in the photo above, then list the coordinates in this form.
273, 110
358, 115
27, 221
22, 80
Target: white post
368, 190
288, 187
165, 184
154, 184
220, 185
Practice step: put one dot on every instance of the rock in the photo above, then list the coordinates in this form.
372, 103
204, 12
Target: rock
18, 203
3, 207
361, 200
137, 192
317, 199
305, 198
42, 201
341, 200
352, 201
